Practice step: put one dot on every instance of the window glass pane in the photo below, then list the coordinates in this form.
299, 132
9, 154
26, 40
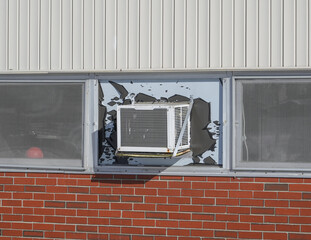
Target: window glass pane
275, 119
41, 121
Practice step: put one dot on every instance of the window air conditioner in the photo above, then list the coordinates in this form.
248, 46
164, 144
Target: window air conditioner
153, 128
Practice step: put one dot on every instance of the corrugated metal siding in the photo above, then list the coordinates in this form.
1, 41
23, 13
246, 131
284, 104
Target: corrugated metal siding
99, 35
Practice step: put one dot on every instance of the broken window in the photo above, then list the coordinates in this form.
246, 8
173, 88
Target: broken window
160, 122
273, 123
41, 124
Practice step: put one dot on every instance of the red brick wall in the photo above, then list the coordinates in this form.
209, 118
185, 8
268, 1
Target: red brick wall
66, 206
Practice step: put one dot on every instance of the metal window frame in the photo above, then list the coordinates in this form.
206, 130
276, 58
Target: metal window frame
287, 169
89, 122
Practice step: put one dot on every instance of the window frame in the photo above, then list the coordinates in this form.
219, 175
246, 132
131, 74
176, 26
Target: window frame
89, 123
236, 139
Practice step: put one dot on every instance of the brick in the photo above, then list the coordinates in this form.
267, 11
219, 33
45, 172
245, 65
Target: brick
133, 214
155, 199
192, 193
203, 201
191, 208
22, 195
123, 191
228, 186
286, 211
6, 210
87, 213
238, 226
182, 216
292, 180
44, 196
202, 233
227, 201
251, 202
54, 219
78, 189
132, 199
251, 218
108, 214
155, 231
11, 203
22, 210
98, 205
306, 195
250, 235
300, 187
33, 203
6, 180
109, 198
300, 220
226, 234
178, 232
32, 218
167, 223
13, 188
109, 229
171, 178
276, 219
76, 220
239, 210
144, 222
216, 193
12, 233
269, 211
265, 195
44, 211
276, 236
287, 228
9, 217
55, 204
179, 200
131, 230
214, 225
34, 188
168, 208
55, 235
202, 216
266, 179
65, 212
120, 222
227, 217
65, 227
67, 182
86, 228
276, 187
305, 211
100, 190
144, 207
289, 195
276, 203
121, 206
161, 215
240, 194
262, 227
92, 236
87, 198
177, 184
203, 185
156, 184
300, 204
43, 226
87, 182
252, 186
304, 228
46, 181
65, 197
76, 204
32, 233
72, 235
299, 236
144, 191
169, 192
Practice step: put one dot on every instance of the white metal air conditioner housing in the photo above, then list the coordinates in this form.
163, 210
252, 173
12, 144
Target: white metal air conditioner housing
153, 127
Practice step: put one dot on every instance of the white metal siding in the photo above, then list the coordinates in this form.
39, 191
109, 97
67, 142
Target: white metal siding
100, 35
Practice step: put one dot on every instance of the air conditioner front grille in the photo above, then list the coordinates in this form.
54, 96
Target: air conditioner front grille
144, 128
180, 116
